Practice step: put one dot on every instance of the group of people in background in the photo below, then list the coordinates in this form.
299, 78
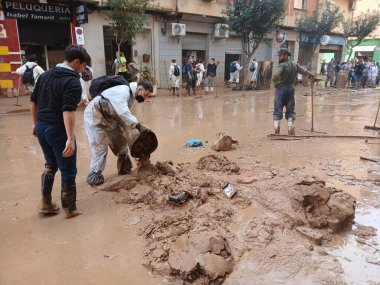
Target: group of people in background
194, 74
361, 72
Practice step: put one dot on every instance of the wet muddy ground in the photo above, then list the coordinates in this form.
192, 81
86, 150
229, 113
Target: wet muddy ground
110, 244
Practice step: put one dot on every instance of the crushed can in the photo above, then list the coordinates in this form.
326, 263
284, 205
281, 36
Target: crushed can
229, 190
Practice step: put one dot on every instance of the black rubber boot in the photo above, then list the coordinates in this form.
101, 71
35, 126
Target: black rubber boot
124, 164
68, 199
47, 181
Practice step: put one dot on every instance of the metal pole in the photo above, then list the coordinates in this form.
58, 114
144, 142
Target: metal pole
312, 104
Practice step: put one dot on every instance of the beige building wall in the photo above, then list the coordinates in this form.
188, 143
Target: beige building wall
362, 6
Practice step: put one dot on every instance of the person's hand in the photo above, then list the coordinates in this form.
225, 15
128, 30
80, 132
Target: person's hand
34, 130
69, 149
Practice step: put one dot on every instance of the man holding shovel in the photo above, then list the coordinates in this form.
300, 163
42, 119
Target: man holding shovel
283, 79
108, 119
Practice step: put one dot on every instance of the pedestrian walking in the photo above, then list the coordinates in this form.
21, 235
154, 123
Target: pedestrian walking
174, 74
30, 71
365, 76
210, 75
105, 119
200, 68
359, 69
189, 75
283, 79
323, 68
253, 69
121, 65
338, 69
53, 105
330, 72
372, 75
235, 71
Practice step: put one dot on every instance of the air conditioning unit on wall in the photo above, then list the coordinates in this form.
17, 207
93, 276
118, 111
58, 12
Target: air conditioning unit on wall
221, 31
178, 30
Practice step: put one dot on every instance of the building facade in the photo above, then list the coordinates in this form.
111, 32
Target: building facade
174, 30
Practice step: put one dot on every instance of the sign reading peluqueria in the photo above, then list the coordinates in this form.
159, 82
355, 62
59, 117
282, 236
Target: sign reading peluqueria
36, 11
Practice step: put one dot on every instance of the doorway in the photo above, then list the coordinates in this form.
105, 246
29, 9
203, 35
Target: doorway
110, 49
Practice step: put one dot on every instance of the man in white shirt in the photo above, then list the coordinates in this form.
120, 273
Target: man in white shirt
200, 69
234, 71
174, 73
30, 71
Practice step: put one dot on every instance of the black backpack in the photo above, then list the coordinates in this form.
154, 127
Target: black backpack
233, 67
102, 83
176, 70
28, 77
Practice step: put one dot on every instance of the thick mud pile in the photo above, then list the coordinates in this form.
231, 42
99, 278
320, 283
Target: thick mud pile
272, 230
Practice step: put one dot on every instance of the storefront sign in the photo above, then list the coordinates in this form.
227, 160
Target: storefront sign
326, 40
81, 14
79, 36
36, 11
281, 38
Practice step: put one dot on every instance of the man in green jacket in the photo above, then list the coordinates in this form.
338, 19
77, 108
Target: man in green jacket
283, 79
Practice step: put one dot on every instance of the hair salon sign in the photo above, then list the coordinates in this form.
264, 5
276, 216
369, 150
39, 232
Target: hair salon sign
36, 11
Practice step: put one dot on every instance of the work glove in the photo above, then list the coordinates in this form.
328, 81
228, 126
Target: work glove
141, 128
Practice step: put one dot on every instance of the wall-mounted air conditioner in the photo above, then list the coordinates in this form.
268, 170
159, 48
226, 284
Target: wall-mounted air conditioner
221, 31
177, 30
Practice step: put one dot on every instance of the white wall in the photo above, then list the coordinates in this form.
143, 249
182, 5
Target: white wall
93, 32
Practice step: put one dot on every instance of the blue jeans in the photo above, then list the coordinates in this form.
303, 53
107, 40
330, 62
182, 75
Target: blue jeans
52, 139
358, 81
284, 97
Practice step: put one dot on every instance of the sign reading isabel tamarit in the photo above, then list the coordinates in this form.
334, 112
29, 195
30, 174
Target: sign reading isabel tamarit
36, 11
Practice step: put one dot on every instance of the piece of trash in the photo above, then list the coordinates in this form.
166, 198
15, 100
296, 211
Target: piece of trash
107, 256
177, 198
194, 143
229, 190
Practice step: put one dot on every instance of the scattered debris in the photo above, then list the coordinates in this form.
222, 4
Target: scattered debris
224, 142
194, 143
229, 190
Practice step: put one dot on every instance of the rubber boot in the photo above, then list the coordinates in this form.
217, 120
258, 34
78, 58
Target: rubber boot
194, 92
47, 181
177, 90
291, 131
124, 164
211, 89
68, 199
188, 92
276, 127
206, 89
173, 90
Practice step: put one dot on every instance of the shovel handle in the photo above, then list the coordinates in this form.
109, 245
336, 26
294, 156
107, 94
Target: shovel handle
377, 114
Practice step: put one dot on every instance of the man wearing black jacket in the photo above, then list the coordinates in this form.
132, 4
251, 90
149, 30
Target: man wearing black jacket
53, 105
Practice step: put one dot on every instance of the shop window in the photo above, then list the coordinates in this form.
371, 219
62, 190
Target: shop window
300, 4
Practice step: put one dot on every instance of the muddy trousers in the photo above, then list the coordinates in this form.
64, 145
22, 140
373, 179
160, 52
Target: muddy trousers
52, 139
100, 138
284, 97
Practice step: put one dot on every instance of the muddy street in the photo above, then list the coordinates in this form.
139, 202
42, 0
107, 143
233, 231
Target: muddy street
123, 237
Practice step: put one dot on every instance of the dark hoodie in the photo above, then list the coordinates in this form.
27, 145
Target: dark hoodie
57, 90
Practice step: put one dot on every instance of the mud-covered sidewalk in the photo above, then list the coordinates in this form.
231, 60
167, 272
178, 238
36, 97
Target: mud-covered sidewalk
305, 211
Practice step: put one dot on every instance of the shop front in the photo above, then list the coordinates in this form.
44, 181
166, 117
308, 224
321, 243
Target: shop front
41, 29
